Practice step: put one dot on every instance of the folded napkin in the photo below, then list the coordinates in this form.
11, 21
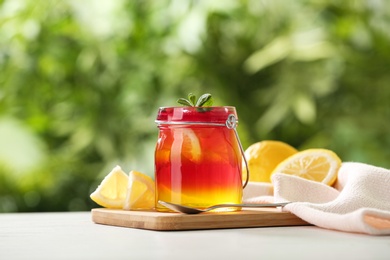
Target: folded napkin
359, 202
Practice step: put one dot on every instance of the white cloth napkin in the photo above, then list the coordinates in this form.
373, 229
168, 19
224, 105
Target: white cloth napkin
359, 202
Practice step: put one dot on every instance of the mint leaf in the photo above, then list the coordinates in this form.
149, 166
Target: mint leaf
204, 100
192, 99
184, 102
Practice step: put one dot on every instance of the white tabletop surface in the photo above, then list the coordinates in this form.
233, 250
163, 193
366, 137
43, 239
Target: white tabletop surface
73, 235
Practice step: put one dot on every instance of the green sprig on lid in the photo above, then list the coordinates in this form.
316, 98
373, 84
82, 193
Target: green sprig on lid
205, 100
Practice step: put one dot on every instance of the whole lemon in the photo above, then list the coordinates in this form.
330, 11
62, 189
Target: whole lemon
263, 157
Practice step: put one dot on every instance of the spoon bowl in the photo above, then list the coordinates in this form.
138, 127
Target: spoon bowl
190, 210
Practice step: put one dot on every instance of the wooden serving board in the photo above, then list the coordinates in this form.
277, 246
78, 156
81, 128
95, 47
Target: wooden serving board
152, 220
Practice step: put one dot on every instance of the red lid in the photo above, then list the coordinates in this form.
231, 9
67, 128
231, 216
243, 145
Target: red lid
167, 115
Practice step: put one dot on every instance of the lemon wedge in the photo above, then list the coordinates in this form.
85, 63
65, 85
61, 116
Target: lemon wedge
140, 192
111, 192
319, 165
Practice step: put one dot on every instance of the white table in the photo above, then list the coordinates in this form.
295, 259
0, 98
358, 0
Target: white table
72, 235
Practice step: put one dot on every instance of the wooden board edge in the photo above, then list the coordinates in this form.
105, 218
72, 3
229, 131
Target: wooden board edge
220, 221
123, 219
175, 221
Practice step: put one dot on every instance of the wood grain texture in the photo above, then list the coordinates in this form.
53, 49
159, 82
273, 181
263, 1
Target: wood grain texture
153, 220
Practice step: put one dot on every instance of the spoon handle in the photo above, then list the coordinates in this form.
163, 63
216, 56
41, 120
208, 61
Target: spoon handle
250, 205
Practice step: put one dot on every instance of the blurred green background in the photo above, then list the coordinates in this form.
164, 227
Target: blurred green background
81, 82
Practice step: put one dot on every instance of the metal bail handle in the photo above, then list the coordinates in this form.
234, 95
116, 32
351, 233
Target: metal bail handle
231, 123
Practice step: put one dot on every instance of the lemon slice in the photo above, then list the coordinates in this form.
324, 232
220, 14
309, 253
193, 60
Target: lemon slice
185, 143
111, 192
263, 157
140, 192
319, 165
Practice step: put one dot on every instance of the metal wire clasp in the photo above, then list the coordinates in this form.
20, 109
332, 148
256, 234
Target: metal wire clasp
231, 123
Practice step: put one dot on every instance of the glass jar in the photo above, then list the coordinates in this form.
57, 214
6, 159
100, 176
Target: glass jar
198, 157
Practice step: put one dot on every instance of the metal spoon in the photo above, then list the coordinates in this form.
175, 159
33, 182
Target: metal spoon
189, 210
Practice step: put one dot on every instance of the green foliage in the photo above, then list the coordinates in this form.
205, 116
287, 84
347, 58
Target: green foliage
81, 82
